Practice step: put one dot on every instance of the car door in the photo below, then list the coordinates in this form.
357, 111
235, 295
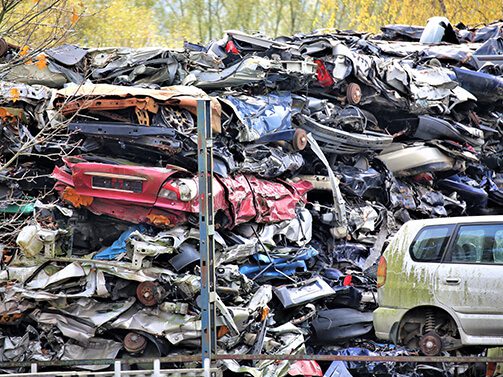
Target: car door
470, 278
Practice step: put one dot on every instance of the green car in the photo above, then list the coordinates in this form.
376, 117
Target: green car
440, 284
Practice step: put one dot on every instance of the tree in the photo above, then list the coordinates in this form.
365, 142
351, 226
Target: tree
116, 23
37, 24
369, 15
203, 20
135, 23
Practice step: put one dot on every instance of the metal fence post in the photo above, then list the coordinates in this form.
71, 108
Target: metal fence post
206, 230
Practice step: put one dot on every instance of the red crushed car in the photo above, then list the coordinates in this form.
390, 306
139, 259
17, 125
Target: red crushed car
169, 196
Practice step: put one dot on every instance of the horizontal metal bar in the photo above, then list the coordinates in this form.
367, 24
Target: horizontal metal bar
128, 361
109, 104
197, 358
386, 358
119, 129
140, 373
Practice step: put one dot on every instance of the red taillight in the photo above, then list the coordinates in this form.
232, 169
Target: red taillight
183, 189
231, 48
348, 280
381, 272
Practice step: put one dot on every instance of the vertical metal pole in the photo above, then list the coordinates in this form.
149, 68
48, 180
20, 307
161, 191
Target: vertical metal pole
206, 231
117, 369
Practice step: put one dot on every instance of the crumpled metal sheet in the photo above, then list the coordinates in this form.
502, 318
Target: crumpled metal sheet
343, 142
270, 162
276, 201
297, 231
143, 65
119, 246
292, 342
95, 312
182, 96
66, 54
430, 128
33, 75
281, 263
80, 319
22, 92
175, 327
261, 115
250, 70
69, 327
73, 270
96, 348
363, 219
22, 348
415, 159
303, 293
338, 200
433, 89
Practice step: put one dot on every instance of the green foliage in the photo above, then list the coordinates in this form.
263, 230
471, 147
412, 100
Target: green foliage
138, 23
368, 15
117, 23
42, 23
202, 20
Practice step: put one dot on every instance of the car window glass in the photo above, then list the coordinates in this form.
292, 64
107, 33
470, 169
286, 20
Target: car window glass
430, 243
498, 246
481, 243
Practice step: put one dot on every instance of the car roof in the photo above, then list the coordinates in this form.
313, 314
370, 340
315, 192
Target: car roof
457, 220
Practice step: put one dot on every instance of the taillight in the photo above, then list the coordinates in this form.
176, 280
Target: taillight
381, 272
169, 193
179, 189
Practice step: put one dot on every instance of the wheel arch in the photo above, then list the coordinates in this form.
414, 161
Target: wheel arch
420, 312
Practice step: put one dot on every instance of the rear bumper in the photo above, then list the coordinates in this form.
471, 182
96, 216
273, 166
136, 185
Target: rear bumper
386, 322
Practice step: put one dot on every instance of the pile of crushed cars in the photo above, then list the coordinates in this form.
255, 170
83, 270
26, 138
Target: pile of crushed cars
324, 145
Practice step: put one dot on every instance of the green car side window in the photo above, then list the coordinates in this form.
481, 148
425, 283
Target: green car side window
478, 243
498, 246
430, 243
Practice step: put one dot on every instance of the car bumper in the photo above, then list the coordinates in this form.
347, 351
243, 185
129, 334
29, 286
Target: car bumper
386, 322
